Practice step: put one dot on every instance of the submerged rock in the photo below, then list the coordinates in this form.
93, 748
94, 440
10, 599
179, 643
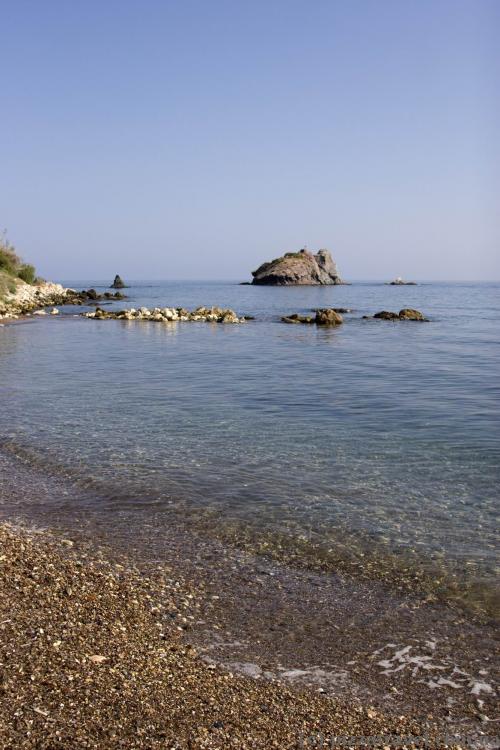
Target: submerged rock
324, 317
296, 318
302, 268
386, 315
407, 313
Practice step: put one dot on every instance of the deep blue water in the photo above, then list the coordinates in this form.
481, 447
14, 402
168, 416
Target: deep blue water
380, 431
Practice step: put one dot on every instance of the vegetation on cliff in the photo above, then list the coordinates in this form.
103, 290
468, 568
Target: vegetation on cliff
12, 267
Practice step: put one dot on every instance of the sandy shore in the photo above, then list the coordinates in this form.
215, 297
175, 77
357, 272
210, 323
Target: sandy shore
93, 654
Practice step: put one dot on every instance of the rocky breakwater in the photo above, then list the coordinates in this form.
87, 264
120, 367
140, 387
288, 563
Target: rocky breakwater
169, 315
324, 317
301, 268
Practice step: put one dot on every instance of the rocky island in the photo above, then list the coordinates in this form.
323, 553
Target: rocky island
301, 268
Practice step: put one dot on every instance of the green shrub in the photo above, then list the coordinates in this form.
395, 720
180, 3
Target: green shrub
12, 264
7, 285
27, 273
8, 259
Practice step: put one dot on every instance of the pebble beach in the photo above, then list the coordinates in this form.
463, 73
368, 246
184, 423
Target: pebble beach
93, 656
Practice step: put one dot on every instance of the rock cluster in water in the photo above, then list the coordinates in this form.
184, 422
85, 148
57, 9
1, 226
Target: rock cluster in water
88, 296
324, 317
302, 268
407, 313
169, 314
32, 299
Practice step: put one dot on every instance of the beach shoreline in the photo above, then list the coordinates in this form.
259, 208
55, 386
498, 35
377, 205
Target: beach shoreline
92, 656
324, 635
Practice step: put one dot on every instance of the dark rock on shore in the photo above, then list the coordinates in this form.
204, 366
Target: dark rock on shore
302, 268
407, 313
324, 317
118, 283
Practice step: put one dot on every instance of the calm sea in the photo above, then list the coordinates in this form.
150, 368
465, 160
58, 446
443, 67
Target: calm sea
359, 446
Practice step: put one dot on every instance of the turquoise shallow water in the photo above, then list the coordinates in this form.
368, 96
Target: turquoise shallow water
374, 433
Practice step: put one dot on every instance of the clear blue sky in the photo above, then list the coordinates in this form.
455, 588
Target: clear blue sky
197, 138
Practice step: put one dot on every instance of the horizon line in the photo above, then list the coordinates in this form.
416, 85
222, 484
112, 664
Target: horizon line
249, 283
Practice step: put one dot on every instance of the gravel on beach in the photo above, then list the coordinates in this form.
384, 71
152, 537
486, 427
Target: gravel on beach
93, 655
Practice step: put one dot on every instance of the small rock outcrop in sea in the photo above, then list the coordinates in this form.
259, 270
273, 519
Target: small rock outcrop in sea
324, 317
118, 283
169, 315
294, 269
328, 317
400, 282
88, 296
407, 313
